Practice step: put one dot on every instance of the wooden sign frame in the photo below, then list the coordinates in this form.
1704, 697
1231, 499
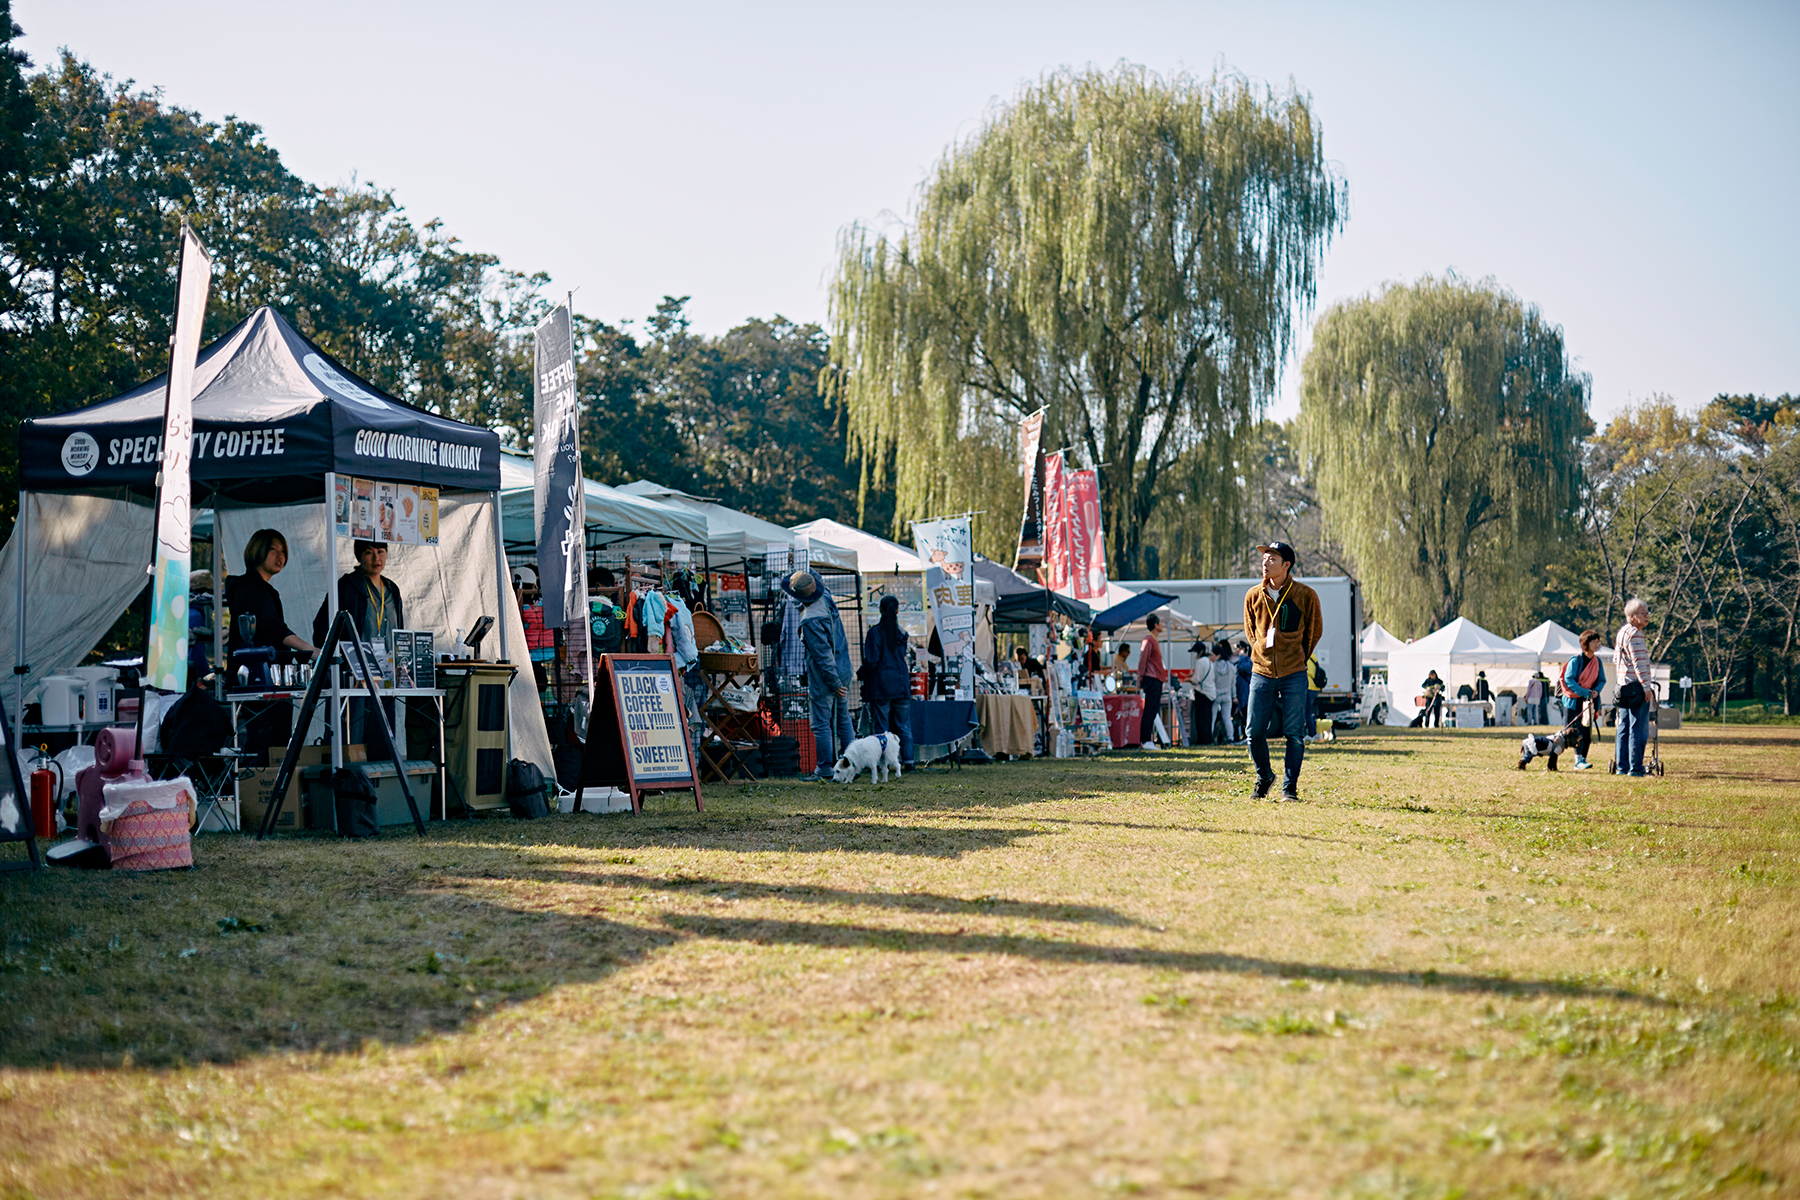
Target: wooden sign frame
608, 760
15, 809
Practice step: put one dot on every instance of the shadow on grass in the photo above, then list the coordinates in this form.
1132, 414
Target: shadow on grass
767, 932
917, 902
856, 830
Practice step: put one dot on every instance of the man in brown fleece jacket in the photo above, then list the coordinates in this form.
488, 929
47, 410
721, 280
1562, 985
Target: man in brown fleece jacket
1282, 622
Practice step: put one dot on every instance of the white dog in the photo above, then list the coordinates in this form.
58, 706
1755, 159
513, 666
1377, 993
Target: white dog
878, 754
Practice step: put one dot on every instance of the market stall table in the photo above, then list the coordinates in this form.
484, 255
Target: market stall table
940, 728
1124, 718
1009, 724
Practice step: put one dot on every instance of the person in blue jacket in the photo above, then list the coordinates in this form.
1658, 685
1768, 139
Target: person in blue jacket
1245, 666
888, 689
1582, 679
828, 670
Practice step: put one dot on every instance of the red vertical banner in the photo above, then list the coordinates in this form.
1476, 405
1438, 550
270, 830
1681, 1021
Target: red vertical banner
1057, 576
1086, 535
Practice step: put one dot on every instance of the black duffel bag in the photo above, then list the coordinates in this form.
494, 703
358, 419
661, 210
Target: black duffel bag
355, 799
526, 792
194, 726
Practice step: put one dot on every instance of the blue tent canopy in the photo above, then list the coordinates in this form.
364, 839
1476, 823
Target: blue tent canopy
1126, 611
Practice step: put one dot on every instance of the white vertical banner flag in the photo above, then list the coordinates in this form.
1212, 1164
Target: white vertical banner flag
946, 553
166, 655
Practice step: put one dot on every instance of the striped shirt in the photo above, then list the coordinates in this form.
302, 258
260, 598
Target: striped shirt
1631, 655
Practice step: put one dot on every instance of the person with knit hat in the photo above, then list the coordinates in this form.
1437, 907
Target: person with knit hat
828, 670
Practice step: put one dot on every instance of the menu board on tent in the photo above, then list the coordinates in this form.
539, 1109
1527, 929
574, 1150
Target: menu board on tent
732, 605
906, 586
638, 737
378, 510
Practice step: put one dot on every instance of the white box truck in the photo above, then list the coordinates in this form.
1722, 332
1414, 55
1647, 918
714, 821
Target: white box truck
1221, 602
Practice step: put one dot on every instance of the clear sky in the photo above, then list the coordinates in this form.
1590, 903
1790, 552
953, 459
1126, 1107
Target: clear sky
1632, 168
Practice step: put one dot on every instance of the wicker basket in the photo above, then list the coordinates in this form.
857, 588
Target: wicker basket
716, 663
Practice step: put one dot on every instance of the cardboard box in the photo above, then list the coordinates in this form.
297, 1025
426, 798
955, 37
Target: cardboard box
255, 791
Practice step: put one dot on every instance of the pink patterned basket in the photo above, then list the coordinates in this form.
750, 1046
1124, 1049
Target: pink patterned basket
153, 839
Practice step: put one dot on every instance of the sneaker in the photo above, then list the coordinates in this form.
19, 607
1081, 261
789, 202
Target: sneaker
1289, 796
1148, 746
1582, 764
1263, 784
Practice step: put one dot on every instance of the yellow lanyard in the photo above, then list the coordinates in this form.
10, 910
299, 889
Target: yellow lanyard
1275, 613
380, 613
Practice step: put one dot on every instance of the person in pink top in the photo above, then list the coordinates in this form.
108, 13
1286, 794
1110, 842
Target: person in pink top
1631, 658
1151, 677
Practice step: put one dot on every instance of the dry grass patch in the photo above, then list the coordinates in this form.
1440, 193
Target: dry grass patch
1438, 976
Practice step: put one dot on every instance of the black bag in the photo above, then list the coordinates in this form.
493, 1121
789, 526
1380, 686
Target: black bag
1319, 675
195, 725
1631, 694
526, 792
355, 798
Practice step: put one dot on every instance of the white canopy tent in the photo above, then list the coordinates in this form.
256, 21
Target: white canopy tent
611, 514
1377, 644
874, 555
733, 536
1455, 652
1553, 644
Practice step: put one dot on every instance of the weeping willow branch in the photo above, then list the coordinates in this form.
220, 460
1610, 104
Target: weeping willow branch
1125, 251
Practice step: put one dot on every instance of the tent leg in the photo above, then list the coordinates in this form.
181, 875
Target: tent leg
20, 666
334, 718
502, 579
218, 608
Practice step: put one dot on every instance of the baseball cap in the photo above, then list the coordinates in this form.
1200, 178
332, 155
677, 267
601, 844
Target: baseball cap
1282, 548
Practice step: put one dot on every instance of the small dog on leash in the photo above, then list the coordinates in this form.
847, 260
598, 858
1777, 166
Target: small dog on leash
1532, 745
878, 754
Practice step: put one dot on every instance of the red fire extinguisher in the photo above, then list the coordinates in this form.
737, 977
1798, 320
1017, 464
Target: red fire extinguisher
43, 798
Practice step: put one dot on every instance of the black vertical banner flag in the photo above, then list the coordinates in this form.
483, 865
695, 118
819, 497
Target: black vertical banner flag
1031, 528
556, 451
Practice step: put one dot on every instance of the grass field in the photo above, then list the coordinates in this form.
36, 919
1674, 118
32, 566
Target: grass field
1436, 977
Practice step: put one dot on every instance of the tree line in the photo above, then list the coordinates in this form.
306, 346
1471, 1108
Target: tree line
97, 174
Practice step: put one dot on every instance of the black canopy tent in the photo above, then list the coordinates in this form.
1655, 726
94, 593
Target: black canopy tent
1020, 603
277, 421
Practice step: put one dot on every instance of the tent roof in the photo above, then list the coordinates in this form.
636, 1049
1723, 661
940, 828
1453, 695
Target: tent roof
1551, 640
609, 510
1133, 608
273, 414
1462, 640
1377, 643
733, 535
1018, 602
873, 554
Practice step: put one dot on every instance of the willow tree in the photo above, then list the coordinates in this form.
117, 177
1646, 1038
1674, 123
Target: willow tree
1444, 428
1124, 250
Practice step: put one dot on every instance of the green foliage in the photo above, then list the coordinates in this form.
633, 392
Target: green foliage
96, 176
1444, 427
1123, 250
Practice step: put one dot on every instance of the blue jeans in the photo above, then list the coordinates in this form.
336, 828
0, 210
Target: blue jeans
830, 722
1284, 699
895, 716
1634, 733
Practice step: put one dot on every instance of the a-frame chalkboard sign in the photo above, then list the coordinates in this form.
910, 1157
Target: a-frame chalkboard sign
637, 738
15, 805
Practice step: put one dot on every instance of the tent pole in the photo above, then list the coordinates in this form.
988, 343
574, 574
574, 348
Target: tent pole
335, 716
218, 605
504, 593
22, 527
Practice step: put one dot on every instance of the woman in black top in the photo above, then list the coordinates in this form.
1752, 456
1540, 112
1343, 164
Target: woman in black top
252, 594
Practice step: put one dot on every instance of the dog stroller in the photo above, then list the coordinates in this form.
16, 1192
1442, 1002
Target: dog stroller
1652, 758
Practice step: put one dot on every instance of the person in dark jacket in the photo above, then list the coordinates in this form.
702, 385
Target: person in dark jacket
828, 671
888, 690
375, 609
257, 619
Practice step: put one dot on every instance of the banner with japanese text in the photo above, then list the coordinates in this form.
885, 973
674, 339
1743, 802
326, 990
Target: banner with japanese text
166, 654
946, 554
1030, 553
557, 486
1056, 569
1086, 537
